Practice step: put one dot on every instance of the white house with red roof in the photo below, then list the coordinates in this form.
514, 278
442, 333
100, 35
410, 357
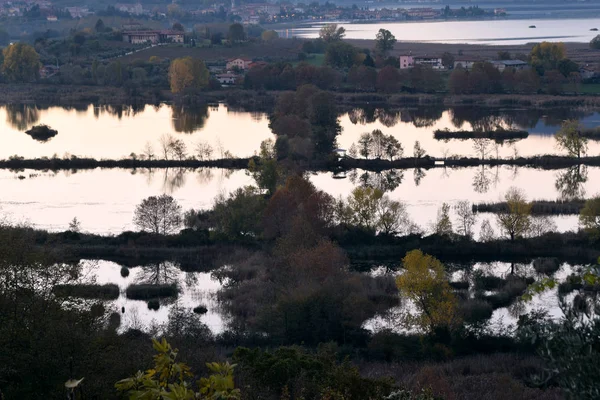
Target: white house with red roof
242, 64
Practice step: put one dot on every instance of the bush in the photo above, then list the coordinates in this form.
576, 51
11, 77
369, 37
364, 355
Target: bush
460, 285
200, 309
476, 310
484, 282
42, 133
153, 304
546, 266
102, 292
148, 291
124, 272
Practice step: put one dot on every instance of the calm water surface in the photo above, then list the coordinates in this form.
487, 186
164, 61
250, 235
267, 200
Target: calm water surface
116, 132
104, 200
489, 32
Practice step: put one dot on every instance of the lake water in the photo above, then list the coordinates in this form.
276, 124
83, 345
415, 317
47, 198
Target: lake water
488, 32
116, 132
196, 288
201, 289
104, 200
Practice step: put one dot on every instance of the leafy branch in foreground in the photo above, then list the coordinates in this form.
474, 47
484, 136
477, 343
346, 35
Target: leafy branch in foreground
168, 380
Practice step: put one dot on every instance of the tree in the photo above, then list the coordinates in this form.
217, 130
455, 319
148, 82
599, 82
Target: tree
443, 224
239, 214
266, 171
392, 217
569, 138
589, 216
21, 63
418, 151
481, 146
75, 225
99, 27
203, 150
178, 27
515, 221
388, 80
384, 41
540, 225
546, 56
363, 202
187, 73
267, 36
486, 232
236, 32
466, 218
170, 379
448, 60
424, 282
331, 33
158, 214
341, 55
595, 42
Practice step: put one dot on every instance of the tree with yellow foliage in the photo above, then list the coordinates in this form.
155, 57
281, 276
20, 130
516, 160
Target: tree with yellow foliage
515, 221
187, 73
546, 56
424, 282
21, 63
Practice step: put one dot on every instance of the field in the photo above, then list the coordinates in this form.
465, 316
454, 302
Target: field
279, 49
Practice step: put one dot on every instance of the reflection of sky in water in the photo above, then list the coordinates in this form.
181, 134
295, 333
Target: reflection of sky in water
196, 288
104, 200
112, 132
500, 32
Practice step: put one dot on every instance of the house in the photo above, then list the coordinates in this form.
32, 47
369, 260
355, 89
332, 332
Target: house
51, 18
433, 62
238, 63
226, 79
587, 72
154, 37
515, 64
406, 62
465, 62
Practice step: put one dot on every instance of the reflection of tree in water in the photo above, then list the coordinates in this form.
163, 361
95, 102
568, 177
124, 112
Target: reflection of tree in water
119, 111
173, 179
387, 118
22, 116
386, 181
204, 176
363, 116
570, 182
189, 119
481, 180
418, 174
481, 119
162, 273
423, 117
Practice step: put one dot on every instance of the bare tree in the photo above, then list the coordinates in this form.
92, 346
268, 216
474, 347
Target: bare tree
166, 145
158, 214
540, 225
481, 146
418, 151
203, 150
148, 151
75, 225
178, 149
466, 218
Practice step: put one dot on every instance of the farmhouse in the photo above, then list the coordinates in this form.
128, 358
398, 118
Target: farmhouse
433, 62
406, 61
238, 63
154, 37
516, 64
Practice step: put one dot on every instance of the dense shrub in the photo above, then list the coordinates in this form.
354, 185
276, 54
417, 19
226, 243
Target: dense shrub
149, 291
103, 292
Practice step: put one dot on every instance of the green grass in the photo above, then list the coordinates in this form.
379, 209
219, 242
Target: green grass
590, 88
